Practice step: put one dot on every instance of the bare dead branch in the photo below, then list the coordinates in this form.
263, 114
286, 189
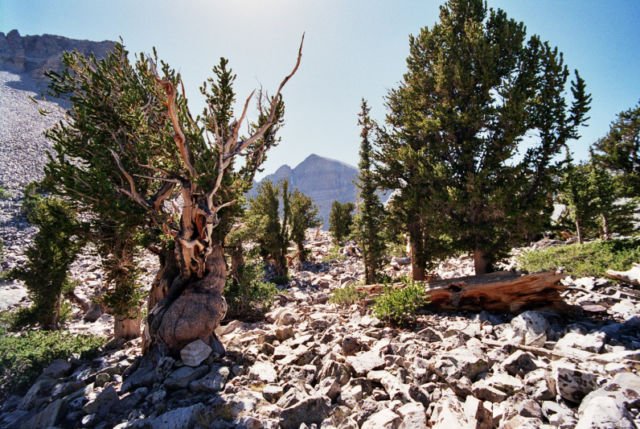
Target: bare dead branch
178, 136
236, 130
133, 192
161, 195
272, 111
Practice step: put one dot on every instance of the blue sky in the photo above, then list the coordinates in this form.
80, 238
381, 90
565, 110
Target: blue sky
353, 49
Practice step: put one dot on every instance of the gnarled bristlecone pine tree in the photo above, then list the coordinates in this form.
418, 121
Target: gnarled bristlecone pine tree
178, 171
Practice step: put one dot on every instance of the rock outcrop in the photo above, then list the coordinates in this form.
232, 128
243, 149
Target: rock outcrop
34, 55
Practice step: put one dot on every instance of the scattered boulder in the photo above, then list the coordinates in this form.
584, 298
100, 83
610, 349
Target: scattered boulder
519, 363
264, 372
103, 403
413, 416
383, 419
364, 362
181, 377
308, 411
593, 343
194, 353
178, 418
608, 406
572, 383
530, 328
58, 368
213, 382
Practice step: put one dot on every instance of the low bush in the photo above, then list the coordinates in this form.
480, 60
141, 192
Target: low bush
23, 356
398, 306
580, 260
333, 255
346, 296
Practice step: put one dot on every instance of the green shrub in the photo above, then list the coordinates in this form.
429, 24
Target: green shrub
24, 356
4, 194
341, 220
333, 255
54, 248
399, 306
590, 259
346, 296
249, 298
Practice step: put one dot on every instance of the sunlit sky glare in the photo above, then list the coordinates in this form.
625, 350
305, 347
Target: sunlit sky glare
353, 49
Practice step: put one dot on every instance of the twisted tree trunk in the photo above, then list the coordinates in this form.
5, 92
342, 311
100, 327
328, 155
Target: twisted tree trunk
186, 299
189, 297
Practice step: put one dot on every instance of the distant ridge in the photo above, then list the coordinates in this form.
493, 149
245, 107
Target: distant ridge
325, 180
34, 55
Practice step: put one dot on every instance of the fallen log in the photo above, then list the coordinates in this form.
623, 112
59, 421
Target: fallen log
499, 292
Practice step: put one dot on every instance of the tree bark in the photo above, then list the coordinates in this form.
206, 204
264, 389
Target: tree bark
169, 270
193, 307
482, 262
606, 234
126, 328
50, 320
579, 232
302, 254
237, 262
418, 271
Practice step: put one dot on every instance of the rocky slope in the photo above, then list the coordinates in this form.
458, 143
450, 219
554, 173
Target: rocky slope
23, 154
324, 180
315, 364
35, 55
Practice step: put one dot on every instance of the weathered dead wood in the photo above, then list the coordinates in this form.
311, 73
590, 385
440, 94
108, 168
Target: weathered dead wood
500, 292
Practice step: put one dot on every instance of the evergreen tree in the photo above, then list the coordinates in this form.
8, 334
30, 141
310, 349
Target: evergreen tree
269, 230
304, 215
614, 212
474, 89
85, 173
619, 150
341, 220
53, 250
131, 147
595, 203
370, 219
273, 228
577, 194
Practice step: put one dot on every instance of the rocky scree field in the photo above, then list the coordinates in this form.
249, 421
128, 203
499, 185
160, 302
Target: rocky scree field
312, 363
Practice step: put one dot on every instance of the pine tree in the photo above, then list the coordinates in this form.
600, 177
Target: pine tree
273, 228
614, 212
595, 203
340, 220
619, 150
474, 88
54, 248
370, 219
266, 225
577, 194
131, 146
304, 215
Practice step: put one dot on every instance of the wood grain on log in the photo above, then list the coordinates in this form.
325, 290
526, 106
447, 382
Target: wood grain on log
500, 292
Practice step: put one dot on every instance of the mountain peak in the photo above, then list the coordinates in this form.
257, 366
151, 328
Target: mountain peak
323, 179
